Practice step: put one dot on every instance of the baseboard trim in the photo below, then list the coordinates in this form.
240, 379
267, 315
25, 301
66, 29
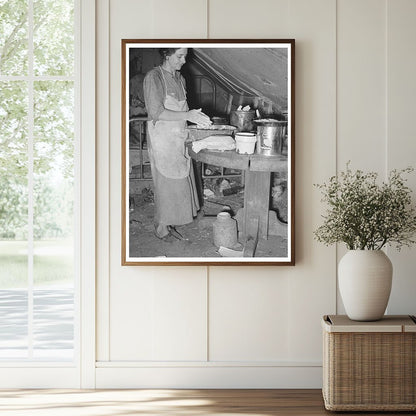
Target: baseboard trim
39, 378
210, 377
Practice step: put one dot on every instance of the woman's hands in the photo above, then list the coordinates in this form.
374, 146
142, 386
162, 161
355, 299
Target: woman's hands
199, 118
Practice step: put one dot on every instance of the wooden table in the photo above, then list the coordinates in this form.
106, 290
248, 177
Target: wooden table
258, 170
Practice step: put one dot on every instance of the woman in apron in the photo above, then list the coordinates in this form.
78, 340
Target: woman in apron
176, 200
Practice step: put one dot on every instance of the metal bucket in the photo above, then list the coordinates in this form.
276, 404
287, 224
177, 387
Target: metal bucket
270, 135
243, 120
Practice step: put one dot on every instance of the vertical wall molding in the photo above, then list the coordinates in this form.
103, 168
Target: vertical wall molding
387, 71
208, 21
336, 296
207, 312
103, 180
88, 189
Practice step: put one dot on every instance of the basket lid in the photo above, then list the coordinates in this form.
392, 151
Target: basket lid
390, 323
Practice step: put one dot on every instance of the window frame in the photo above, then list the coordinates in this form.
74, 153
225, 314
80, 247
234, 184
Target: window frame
81, 371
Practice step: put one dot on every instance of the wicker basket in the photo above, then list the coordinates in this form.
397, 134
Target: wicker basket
369, 366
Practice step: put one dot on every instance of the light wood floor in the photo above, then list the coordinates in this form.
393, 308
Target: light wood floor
165, 402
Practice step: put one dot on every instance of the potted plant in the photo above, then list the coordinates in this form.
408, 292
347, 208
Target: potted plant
366, 215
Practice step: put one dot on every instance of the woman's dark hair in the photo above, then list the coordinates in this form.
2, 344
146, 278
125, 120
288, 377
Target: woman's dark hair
165, 52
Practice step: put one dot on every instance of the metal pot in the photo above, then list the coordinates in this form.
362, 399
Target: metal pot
243, 120
270, 135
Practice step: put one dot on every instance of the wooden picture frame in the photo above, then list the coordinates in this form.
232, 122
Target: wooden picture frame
247, 88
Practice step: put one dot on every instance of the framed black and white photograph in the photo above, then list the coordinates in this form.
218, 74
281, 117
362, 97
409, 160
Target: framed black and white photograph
208, 158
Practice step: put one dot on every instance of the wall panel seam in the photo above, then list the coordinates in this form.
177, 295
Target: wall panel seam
336, 142
208, 22
207, 314
387, 135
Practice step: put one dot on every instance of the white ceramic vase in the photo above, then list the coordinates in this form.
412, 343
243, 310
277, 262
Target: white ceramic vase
364, 278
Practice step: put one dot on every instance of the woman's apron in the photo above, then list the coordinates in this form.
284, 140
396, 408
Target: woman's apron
167, 140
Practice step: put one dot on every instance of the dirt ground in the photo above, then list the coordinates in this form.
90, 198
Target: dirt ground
198, 234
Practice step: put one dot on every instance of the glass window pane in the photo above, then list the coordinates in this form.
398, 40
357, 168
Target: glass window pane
13, 37
13, 160
13, 311
13, 220
53, 197
54, 166
53, 320
53, 37
54, 126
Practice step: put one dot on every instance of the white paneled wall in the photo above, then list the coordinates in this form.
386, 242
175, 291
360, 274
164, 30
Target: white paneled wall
245, 20
361, 88
401, 132
254, 326
361, 84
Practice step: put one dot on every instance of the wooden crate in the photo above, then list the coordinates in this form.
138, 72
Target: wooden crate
369, 366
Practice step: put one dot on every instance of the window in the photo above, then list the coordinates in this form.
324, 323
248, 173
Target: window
38, 184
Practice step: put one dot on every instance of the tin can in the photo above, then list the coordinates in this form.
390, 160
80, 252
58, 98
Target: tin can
270, 135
